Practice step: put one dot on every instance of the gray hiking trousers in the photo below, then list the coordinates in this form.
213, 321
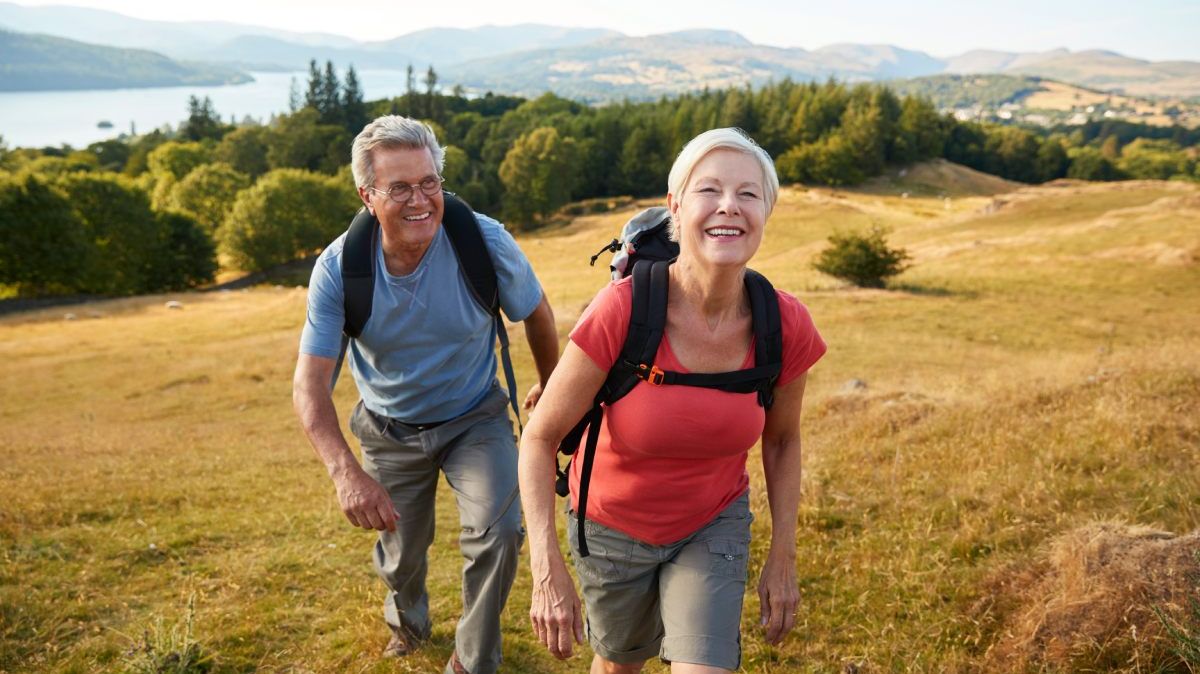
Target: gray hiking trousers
478, 454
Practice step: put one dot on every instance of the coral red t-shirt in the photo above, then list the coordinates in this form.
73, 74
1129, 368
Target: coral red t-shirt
670, 458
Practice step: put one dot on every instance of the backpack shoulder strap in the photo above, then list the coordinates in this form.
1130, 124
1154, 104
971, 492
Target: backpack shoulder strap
358, 271
462, 228
647, 322
768, 332
358, 281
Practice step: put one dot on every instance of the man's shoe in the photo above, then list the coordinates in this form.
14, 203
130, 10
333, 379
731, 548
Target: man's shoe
401, 644
455, 665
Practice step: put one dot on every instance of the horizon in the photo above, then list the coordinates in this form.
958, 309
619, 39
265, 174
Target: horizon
1161, 30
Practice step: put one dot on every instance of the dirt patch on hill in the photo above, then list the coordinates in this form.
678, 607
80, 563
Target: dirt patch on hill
1097, 600
941, 178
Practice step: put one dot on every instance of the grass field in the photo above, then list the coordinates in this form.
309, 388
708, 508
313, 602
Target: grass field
1037, 369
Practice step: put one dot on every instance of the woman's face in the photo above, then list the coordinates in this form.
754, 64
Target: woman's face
722, 211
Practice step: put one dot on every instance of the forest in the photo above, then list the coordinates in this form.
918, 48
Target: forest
165, 210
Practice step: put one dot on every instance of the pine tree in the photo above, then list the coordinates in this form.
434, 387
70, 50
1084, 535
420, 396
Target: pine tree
354, 111
329, 103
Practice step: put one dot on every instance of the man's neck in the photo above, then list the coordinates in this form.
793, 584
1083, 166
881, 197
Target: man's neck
402, 258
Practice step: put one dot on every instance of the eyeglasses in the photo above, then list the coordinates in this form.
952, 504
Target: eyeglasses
403, 192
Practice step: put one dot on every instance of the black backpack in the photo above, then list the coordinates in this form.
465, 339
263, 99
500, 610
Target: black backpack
358, 278
645, 252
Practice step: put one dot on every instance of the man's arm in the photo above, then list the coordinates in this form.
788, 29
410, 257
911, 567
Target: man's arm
363, 500
542, 334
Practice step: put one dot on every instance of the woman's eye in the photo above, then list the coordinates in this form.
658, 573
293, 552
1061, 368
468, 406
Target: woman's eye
749, 195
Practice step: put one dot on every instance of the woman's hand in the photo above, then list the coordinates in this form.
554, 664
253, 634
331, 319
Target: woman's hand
778, 596
555, 611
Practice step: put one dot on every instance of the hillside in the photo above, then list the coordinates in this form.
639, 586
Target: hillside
1035, 370
44, 63
1044, 102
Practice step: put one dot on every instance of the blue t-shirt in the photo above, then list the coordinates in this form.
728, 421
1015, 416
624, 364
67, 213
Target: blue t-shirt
428, 351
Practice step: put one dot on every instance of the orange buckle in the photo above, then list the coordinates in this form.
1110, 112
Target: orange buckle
656, 376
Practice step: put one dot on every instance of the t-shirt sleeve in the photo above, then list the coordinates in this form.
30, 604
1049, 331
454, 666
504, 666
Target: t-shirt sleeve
322, 334
600, 332
802, 344
520, 292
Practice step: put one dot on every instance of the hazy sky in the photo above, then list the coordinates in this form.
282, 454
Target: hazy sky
1150, 29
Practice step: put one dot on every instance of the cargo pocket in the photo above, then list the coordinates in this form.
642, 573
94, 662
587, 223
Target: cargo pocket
609, 552
728, 558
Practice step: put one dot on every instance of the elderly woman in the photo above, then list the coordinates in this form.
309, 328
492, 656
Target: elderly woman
668, 519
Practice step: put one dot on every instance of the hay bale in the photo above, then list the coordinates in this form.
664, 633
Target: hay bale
1088, 602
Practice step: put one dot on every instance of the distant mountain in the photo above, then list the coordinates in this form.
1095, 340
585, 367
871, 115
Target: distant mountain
42, 63
641, 67
173, 38
591, 64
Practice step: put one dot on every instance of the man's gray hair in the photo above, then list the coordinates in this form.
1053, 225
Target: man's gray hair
391, 131
721, 139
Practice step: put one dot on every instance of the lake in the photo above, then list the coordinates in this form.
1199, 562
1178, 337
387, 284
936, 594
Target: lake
41, 118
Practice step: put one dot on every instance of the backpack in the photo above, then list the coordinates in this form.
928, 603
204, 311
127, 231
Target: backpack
645, 252
358, 278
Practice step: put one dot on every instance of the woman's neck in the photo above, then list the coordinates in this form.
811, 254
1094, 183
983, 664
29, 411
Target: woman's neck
718, 293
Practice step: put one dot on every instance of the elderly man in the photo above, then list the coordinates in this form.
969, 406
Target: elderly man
425, 367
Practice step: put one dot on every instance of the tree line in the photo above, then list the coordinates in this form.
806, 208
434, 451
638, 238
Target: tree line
261, 195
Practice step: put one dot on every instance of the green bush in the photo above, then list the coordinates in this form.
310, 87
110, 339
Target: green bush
862, 259
287, 214
207, 194
43, 245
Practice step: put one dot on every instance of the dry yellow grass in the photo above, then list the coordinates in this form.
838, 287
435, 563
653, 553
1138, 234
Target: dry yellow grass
1036, 370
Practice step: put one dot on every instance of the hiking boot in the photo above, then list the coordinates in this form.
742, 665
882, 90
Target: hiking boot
454, 665
401, 644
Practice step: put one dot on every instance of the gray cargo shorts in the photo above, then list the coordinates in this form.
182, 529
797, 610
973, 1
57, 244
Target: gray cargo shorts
682, 601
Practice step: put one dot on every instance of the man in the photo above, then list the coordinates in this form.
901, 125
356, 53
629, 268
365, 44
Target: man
425, 367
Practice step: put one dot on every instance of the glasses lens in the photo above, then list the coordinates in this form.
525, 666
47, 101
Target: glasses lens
400, 193
431, 185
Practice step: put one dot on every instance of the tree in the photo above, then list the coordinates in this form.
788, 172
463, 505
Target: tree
187, 256
1146, 159
829, 161
206, 194
431, 80
203, 122
118, 220
1088, 163
244, 149
294, 102
539, 173
177, 159
312, 94
1052, 160
862, 259
301, 141
329, 104
354, 111
288, 213
43, 245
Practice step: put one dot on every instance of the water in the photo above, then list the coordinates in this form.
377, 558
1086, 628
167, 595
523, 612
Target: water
41, 118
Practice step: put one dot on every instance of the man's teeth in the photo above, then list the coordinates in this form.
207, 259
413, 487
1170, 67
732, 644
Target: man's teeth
723, 231
419, 216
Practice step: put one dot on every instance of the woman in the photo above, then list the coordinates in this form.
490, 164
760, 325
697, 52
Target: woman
668, 519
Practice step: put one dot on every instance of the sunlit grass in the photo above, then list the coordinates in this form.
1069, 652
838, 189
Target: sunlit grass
1016, 388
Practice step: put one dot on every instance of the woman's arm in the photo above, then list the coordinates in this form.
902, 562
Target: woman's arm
778, 593
555, 611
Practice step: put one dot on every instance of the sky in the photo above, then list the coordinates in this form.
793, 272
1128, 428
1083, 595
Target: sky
1150, 29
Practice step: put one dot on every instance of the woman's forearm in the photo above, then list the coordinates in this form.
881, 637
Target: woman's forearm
782, 467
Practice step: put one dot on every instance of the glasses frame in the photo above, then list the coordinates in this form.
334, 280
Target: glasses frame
410, 189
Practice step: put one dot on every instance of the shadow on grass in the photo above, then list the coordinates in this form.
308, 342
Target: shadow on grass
932, 291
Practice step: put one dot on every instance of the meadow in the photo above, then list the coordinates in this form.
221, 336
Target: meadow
1036, 370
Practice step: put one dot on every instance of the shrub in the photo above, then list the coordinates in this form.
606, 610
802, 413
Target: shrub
43, 245
287, 214
862, 259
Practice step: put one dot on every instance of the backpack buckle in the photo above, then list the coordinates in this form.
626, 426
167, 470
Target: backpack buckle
651, 374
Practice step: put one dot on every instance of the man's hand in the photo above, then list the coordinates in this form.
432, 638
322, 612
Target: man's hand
778, 596
532, 398
364, 501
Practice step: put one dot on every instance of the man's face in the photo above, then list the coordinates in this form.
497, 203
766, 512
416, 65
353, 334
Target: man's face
415, 221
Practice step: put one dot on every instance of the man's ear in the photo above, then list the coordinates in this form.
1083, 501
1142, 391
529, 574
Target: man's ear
366, 199
672, 204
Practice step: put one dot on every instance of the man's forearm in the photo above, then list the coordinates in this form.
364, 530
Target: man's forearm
542, 334
318, 417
